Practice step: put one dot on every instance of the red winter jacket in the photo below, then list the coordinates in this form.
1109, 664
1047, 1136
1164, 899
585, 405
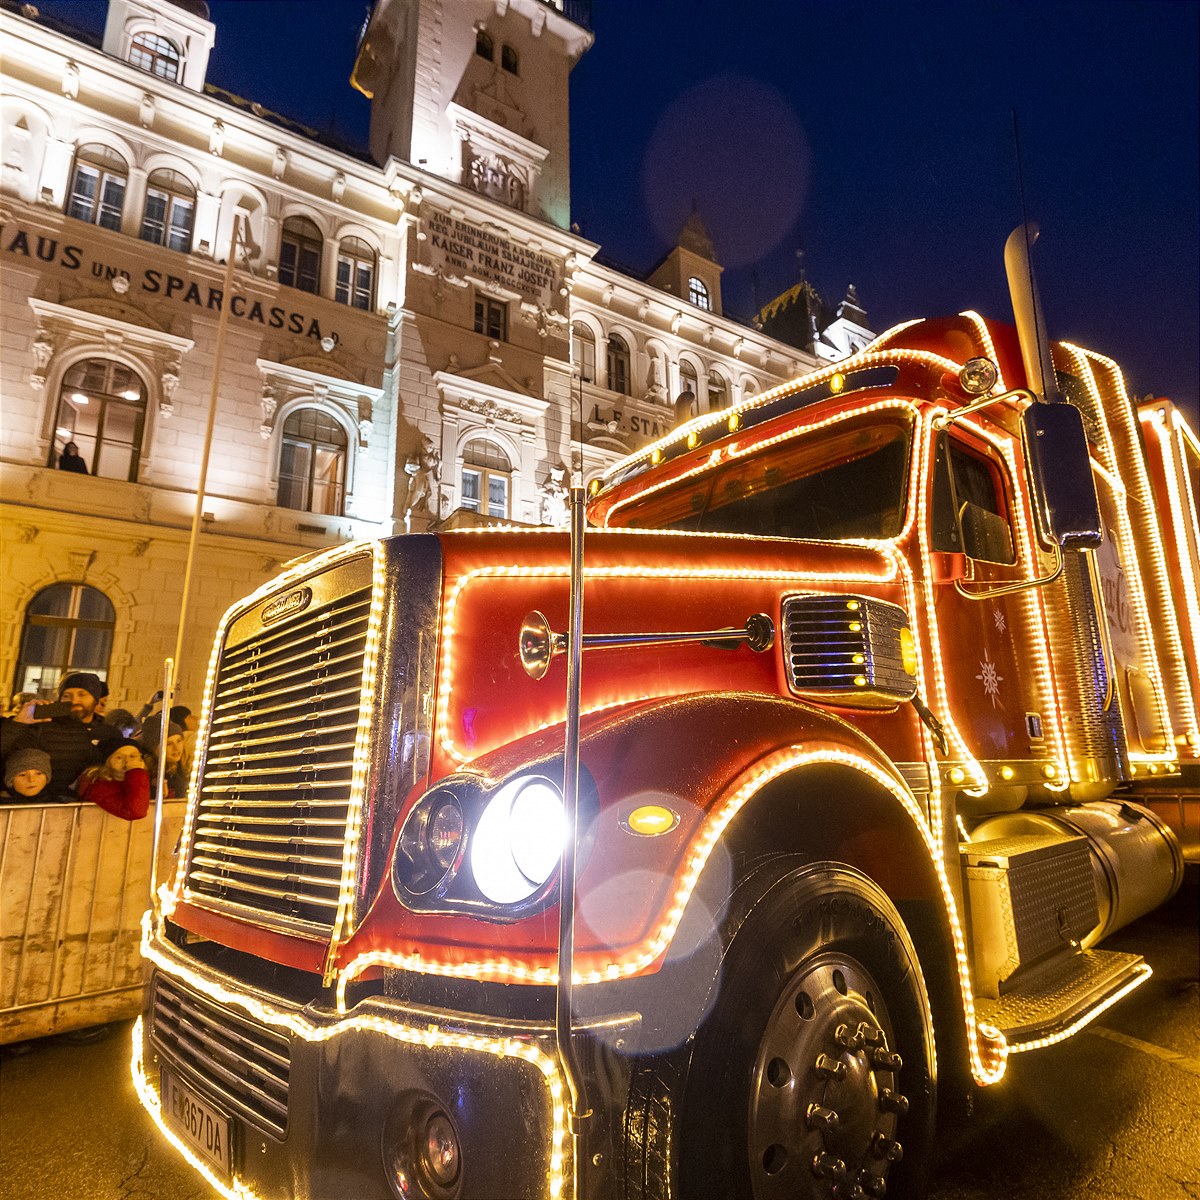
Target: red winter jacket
128, 797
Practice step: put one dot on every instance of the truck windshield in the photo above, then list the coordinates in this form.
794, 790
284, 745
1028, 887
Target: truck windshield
830, 485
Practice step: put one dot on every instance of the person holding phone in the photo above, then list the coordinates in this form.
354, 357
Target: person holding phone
70, 731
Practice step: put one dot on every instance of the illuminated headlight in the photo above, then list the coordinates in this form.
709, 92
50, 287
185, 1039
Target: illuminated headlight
429, 843
518, 841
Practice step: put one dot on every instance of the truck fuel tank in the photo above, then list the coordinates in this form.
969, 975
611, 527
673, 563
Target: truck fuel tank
1136, 860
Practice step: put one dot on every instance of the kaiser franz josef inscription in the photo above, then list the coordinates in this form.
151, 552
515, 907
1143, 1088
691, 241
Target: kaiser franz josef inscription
459, 248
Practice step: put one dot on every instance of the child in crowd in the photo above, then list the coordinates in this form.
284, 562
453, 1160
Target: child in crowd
121, 785
27, 778
175, 776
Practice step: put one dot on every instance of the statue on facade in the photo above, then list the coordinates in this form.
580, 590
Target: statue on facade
424, 471
553, 508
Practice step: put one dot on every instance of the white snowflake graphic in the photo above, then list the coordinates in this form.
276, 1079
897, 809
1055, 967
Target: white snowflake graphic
998, 618
990, 678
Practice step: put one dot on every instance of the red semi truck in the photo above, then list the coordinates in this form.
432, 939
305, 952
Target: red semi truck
684, 856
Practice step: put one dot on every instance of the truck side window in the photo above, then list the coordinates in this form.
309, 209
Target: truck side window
976, 491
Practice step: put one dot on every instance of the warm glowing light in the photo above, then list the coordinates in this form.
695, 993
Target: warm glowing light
1006, 772
652, 819
1144, 971
734, 423
837, 381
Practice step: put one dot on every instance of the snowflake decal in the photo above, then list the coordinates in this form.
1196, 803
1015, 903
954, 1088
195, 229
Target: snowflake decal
1000, 622
990, 678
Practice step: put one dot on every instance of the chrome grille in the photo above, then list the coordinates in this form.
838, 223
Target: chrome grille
274, 793
239, 1063
846, 646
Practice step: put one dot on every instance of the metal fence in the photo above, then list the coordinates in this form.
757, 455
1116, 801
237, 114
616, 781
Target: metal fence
74, 883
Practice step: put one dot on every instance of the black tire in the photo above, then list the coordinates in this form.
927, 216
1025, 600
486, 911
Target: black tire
813, 1075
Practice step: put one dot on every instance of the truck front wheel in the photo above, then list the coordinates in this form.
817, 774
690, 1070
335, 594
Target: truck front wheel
813, 1076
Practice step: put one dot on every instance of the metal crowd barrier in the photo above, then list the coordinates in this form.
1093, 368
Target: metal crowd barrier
74, 883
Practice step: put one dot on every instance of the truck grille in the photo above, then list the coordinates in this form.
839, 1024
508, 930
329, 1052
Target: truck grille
239, 1063
275, 789
846, 647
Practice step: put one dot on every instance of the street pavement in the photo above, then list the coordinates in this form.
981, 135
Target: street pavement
1112, 1114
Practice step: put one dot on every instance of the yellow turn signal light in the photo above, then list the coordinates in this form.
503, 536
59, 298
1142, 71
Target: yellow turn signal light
650, 820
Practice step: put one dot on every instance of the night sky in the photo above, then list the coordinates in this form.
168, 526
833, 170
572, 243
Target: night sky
876, 137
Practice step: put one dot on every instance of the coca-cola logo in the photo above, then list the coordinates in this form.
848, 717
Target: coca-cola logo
284, 606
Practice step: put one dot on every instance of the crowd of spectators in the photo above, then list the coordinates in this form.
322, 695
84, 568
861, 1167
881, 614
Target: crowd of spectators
74, 750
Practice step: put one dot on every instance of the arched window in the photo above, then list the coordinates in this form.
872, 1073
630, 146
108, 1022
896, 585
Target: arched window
486, 478
154, 53
68, 627
484, 46
98, 186
102, 409
619, 376
170, 210
355, 274
300, 254
688, 382
312, 463
510, 60
583, 351
698, 293
718, 393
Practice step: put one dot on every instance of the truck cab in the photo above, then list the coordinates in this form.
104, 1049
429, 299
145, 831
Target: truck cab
840, 719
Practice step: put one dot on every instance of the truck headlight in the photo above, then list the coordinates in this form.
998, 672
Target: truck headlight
518, 841
429, 843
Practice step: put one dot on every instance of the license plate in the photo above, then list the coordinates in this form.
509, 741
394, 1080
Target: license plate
199, 1124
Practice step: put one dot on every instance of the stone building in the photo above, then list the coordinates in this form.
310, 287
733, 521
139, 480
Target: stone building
414, 334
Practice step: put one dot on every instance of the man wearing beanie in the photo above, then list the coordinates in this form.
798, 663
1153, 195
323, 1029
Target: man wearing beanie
27, 778
73, 742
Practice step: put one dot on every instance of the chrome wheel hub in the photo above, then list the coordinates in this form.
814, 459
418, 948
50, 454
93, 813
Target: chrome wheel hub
824, 1099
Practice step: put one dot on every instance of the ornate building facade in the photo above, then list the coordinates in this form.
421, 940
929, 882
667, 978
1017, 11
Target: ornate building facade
414, 335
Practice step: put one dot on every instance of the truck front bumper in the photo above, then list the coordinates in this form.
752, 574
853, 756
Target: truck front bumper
383, 1102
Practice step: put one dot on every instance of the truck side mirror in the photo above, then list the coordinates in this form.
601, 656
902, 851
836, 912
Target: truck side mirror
1056, 451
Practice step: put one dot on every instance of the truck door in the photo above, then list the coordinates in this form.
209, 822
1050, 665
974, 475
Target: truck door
990, 645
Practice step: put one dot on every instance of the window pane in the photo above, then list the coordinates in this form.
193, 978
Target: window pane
154, 220
309, 269
497, 496
54, 601
91, 650
294, 460
327, 482
471, 489
83, 193
112, 199
94, 605
180, 236
287, 263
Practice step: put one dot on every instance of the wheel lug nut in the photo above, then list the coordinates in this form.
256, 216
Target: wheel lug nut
873, 1185
883, 1146
886, 1060
891, 1101
848, 1191
822, 1118
847, 1040
829, 1166
871, 1035
829, 1068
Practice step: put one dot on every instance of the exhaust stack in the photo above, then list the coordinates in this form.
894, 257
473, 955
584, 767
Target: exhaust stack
1027, 309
